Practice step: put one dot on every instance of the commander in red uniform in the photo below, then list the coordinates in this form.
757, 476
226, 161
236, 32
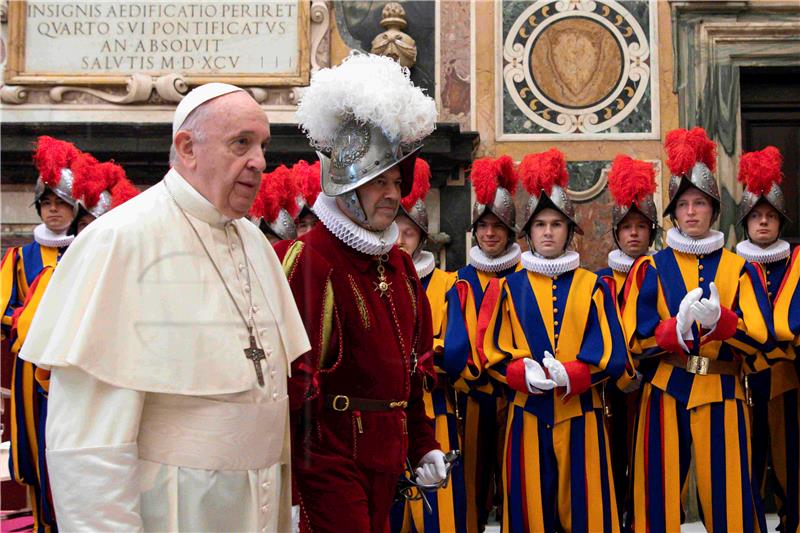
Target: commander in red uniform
356, 397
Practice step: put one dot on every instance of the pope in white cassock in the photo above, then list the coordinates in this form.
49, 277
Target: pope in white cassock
169, 327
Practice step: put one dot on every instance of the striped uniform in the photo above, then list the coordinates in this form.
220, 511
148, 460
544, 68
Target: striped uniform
556, 465
620, 407
683, 414
781, 418
449, 511
483, 408
25, 272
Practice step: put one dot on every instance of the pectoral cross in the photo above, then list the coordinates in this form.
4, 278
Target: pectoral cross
255, 354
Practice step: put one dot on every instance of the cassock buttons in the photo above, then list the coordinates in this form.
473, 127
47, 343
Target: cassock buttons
241, 267
274, 395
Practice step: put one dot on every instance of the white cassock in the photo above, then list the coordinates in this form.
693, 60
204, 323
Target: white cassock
156, 420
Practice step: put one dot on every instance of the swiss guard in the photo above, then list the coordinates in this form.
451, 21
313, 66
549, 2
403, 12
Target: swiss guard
551, 334
275, 206
358, 414
496, 254
689, 313
94, 188
772, 384
634, 226
448, 505
307, 179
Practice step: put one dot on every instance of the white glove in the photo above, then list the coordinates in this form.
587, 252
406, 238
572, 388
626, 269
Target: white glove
685, 319
536, 379
557, 371
432, 469
707, 311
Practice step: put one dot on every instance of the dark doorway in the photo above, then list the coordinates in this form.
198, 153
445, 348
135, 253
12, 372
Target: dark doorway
771, 116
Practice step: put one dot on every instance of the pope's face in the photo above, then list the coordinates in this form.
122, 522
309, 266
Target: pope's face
763, 224
55, 212
694, 213
549, 232
229, 153
410, 235
380, 199
633, 234
492, 235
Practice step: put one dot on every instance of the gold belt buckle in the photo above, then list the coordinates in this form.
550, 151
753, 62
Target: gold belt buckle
697, 364
402, 404
338, 397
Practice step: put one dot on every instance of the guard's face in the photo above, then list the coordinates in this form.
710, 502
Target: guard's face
84, 221
410, 235
229, 153
633, 234
694, 213
549, 231
492, 235
305, 223
380, 199
55, 212
763, 224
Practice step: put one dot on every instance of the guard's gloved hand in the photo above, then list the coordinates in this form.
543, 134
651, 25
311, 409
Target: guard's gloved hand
707, 310
685, 318
432, 469
556, 370
536, 378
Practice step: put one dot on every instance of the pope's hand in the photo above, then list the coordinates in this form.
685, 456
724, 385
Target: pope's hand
556, 370
537, 379
707, 311
432, 469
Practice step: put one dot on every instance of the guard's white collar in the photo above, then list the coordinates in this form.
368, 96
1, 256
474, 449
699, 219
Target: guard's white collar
358, 238
687, 245
566, 262
776, 251
45, 237
424, 262
484, 263
619, 261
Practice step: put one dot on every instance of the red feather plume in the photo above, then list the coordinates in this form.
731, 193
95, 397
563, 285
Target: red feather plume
484, 179
51, 156
540, 172
422, 184
289, 190
122, 191
307, 177
759, 170
687, 147
631, 180
277, 191
92, 178
506, 174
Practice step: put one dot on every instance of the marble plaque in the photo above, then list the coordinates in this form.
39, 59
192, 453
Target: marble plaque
577, 70
106, 41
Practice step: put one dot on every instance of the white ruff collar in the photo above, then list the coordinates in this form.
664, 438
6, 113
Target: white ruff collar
424, 262
484, 263
687, 245
619, 261
358, 238
47, 238
551, 267
776, 251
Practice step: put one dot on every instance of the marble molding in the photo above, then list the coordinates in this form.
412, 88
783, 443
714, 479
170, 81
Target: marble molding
454, 63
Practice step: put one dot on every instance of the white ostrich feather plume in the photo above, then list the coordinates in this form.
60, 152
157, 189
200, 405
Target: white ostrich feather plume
372, 89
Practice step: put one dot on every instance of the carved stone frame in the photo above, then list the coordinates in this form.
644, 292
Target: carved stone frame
711, 41
16, 75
